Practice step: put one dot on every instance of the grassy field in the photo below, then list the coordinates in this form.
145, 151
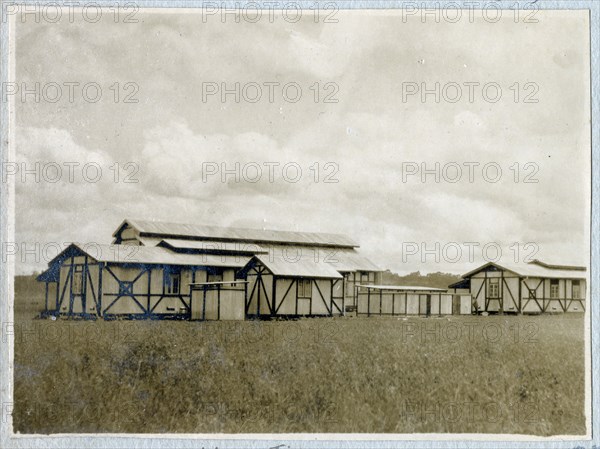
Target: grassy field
512, 374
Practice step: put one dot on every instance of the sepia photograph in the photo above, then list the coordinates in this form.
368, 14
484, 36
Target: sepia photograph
299, 224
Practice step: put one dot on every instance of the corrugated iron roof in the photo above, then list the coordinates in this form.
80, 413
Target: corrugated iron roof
558, 267
532, 270
195, 231
306, 267
212, 245
351, 260
130, 254
342, 259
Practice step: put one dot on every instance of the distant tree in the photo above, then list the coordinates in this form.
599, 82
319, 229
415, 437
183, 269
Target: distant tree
435, 280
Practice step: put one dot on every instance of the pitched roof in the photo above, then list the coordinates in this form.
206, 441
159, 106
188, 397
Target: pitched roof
213, 246
533, 270
558, 267
351, 260
305, 267
342, 259
196, 231
153, 255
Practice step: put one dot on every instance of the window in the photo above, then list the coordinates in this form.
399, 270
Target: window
304, 288
215, 277
575, 290
364, 280
171, 282
494, 288
77, 285
554, 288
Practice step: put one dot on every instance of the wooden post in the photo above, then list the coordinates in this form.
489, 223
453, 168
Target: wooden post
343, 297
310, 301
544, 301
296, 281
148, 299
485, 290
84, 287
274, 292
99, 307
46, 301
520, 297
218, 302
246, 301
71, 270
258, 281
57, 289
502, 292
331, 297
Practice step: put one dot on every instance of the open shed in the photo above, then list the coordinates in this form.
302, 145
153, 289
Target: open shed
402, 300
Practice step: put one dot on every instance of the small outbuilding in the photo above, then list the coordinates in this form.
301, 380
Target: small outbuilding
400, 300
284, 287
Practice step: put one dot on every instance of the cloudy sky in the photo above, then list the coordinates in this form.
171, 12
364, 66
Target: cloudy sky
365, 61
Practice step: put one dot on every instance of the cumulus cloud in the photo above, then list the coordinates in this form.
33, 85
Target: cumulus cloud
181, 145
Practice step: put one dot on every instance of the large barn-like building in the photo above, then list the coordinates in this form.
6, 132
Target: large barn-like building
534, 287
187, 271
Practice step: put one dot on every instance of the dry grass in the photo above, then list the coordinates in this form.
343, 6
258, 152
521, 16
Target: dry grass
313, 375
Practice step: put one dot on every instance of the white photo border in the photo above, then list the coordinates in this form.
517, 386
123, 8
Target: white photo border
9, 440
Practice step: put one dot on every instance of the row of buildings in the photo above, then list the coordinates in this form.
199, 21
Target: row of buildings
187, 271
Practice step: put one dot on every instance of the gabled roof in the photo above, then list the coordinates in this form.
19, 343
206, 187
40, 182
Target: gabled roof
532, 270
51, 274
144, 255
305, 267
195, 231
